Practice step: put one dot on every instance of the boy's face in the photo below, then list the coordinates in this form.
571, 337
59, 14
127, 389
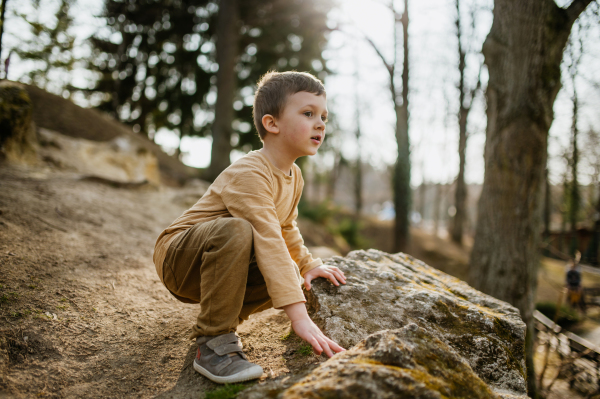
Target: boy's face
302, 123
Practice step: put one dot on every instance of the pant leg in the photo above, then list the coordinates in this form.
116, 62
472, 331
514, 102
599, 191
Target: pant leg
209, 264
256, 298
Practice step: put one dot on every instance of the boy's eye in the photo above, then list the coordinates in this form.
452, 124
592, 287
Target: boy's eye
324, 119
308, 113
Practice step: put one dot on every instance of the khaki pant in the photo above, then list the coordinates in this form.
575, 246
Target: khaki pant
213, 264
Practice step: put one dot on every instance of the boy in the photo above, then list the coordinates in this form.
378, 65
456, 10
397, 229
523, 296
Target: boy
238, 250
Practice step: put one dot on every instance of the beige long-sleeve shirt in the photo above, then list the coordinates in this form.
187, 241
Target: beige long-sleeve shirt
255, 190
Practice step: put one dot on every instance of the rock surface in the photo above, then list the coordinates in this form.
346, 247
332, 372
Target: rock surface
17, 132
120, 160
415, 332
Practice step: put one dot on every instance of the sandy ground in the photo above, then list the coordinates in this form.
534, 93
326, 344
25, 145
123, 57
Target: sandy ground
82, 311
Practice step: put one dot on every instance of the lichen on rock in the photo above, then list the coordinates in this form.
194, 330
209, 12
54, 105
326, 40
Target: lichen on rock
414, 332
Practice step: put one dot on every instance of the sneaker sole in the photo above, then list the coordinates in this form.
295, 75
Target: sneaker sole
245, 375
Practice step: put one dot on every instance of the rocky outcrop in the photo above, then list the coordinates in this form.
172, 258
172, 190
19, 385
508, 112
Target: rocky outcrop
17, 132
118, 161
57, 114
414, 332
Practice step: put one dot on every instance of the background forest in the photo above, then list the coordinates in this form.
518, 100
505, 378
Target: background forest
418, 93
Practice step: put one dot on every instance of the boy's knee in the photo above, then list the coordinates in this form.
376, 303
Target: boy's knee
239, 229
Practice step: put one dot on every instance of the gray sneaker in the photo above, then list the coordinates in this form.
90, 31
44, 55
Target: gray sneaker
220, 359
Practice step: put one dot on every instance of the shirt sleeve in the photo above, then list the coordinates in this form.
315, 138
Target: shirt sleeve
249, 196
296, 247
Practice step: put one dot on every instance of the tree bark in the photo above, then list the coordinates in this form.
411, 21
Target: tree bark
574, 194
437, 204
523, 52
574, 189
461, 189
2, 29
227, 49
402, 191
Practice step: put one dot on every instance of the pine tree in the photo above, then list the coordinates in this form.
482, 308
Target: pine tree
158, 66
51, 47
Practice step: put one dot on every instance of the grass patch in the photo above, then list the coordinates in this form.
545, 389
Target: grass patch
8, 297
305, 350
228, 391
286, 336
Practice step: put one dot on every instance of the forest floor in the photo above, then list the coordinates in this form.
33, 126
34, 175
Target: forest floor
82, 311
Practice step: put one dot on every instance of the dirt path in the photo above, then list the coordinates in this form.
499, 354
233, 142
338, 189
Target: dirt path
82, 311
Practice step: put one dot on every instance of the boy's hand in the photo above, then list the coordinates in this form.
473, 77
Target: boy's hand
308, 330
329, 272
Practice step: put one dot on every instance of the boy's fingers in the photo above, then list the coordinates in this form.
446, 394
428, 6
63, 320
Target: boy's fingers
307, 280
336, 348
340, 276
316, 346
332, 278
327, 349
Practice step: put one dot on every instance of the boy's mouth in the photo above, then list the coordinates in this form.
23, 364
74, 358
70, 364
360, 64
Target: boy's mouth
316, 139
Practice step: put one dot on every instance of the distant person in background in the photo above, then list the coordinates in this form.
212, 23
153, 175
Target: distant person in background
573, 281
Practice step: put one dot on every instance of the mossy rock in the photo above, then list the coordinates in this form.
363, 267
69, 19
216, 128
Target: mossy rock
17, 133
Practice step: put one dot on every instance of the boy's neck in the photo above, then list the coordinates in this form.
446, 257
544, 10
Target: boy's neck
279, 159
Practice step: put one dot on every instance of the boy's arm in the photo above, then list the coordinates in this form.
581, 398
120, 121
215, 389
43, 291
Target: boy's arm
297, 249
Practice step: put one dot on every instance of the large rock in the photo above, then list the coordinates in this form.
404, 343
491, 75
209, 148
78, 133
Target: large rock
17, 132
120, 160
420, 334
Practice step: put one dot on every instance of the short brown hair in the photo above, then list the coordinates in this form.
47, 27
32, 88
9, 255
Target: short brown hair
273, 90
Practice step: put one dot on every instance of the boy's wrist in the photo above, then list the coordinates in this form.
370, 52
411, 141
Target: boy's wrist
296, 311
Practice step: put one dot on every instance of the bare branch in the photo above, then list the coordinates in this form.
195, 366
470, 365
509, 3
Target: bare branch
477, 87
388, 66
576, 8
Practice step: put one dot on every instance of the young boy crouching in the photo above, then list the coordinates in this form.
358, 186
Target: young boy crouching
238, 250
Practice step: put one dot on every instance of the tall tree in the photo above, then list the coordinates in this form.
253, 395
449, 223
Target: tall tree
574, 54
358, 173
523, 53
228, 38
401, 175
2, 13
159, 66
51, 46
464, 94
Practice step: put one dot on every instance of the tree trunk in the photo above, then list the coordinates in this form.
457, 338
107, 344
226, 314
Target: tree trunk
2, 29
227, 49
402, 191
547, 204
461, 188
422, 198
523, 52
437, 204
574, 195
596, 240
358, 173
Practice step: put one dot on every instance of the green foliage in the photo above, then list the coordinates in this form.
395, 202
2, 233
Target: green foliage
320, 213
567, 317
286, 336
51, 47
227, 391
305, 350
349, 228
158, 60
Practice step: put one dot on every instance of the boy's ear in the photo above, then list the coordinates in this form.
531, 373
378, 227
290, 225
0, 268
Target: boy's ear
270, 124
